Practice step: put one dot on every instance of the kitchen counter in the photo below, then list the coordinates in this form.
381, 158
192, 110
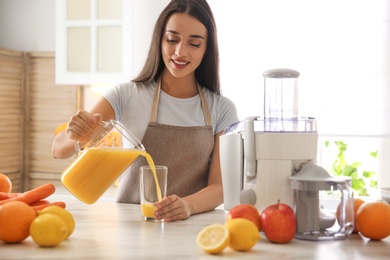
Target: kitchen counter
109, 230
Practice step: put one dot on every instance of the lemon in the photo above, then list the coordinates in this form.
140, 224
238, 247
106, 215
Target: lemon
244, 234
213, 239
65, 215
48, 230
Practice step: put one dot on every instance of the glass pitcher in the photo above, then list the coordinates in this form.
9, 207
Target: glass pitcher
99, 163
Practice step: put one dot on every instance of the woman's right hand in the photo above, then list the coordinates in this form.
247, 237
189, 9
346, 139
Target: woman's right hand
82, 125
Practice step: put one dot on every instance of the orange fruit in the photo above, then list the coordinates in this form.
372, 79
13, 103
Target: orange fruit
373, 220
5, 183
356, 204
15, 220
61, 127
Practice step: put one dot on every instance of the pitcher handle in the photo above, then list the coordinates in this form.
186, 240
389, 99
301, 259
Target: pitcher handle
77, 146
77, 143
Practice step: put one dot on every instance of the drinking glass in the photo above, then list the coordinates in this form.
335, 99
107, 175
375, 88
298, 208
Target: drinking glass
153, 188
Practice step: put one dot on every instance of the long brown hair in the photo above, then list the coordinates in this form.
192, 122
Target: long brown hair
207, 74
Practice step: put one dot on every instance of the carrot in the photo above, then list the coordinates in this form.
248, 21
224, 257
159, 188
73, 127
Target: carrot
33, 195
5, 196
39, 202
55, 203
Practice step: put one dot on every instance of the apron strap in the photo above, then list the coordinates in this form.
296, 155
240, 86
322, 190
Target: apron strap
206, 111
156, 99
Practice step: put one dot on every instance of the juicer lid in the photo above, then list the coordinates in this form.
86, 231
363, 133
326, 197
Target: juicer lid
281, 73
312, 172
263, 125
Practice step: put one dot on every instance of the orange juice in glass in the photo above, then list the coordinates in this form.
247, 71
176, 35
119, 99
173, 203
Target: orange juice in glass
101, 162
153, 187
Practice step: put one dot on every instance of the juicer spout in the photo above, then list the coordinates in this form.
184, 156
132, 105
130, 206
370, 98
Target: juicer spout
250, 147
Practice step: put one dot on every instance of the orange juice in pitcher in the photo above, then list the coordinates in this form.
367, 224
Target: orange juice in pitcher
95, 170
101, 161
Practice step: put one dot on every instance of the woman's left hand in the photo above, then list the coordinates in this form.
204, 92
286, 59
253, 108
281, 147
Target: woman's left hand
172, 208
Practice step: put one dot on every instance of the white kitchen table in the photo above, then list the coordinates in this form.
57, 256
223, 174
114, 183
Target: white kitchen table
109, 230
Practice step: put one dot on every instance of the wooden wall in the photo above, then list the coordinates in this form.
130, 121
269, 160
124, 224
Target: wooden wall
36, 106
48, 106
12, 116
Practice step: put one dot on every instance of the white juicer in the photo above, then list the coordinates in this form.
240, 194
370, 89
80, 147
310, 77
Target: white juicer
259, 154
272, 159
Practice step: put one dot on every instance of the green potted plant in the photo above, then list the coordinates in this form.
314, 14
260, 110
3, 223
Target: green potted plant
363, 181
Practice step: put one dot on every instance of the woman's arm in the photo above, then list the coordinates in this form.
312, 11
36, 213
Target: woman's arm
175, 208
211, 196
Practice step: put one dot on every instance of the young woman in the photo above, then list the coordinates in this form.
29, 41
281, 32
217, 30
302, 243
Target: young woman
175, 107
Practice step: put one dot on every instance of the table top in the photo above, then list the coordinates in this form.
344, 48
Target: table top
109, 230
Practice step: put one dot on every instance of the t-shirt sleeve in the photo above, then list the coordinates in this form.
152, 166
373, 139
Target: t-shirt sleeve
227, 114
117, 97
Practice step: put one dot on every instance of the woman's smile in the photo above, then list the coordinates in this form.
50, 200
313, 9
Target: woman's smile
180, 64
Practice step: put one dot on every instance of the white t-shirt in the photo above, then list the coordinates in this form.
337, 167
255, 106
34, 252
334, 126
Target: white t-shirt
132, 104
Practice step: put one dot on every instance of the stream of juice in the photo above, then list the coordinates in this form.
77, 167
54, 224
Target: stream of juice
151, 164
96, 169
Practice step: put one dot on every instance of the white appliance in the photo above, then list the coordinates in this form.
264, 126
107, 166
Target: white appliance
259, 154
272, 158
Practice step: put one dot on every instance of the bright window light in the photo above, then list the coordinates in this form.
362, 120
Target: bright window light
341, 49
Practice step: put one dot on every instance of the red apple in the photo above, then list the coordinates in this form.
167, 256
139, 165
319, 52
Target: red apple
278, 223
247, 211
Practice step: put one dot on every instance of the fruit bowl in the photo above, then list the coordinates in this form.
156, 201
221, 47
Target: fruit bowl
385, 193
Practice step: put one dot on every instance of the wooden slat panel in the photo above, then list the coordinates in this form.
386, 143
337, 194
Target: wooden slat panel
49, 106
38, 180
11, 116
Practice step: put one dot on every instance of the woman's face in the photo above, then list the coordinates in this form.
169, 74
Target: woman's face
183, 45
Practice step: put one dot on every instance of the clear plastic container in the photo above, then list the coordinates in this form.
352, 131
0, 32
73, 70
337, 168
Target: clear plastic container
281, 94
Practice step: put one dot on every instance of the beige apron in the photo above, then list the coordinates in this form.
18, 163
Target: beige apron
186, 151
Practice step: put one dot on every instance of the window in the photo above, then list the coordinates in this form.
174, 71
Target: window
341, 49
93, 41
